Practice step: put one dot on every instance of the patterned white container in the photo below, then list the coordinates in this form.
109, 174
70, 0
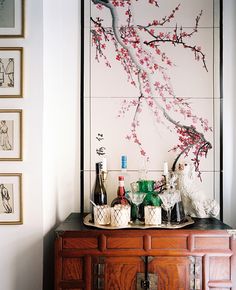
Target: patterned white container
152, 215
120, 215
102, 215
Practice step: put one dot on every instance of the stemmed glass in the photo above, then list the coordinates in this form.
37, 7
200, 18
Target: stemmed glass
137, 198
169, 199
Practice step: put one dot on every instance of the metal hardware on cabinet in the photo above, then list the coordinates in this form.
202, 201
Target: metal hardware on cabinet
100, 283
145, 284
98, 271
232, 233
150, 284
146, 280
195, 273
147, 259
59, 234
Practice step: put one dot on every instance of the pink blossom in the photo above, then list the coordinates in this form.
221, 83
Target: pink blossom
115, 3
153, 2
168, 107
174, 37
134, 102
157, 84
155, 22
156, 66
99, 6
152, 31
143, 153
150, 103
137, 141
141, 61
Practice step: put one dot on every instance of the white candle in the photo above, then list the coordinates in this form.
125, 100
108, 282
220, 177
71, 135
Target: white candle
102, 215
104, 164
120, 215
165, 170
152, 215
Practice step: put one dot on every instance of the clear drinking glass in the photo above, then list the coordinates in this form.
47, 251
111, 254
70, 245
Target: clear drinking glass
136, 197
169, 200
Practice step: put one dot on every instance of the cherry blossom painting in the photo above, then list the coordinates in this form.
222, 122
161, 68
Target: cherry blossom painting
152, 88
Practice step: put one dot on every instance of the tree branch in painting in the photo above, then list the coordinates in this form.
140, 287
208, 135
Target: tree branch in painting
140, 49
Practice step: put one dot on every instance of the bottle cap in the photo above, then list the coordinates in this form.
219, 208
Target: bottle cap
121, 177
123, 161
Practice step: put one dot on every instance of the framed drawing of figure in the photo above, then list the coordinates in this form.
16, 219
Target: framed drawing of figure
11, 198
10, 135
12, 22
11, 72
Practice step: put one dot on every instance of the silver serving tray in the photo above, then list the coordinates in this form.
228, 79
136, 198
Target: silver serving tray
132, 225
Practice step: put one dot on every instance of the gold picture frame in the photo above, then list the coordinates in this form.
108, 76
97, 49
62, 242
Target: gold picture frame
12, 19
11, 72
11, 210
11, 134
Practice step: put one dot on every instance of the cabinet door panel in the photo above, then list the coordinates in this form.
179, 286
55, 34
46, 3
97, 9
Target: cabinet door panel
72, 268
119, 273
219, 268
173, 272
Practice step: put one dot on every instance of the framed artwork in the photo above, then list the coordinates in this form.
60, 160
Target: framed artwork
11, 198
12, 22
151, 89
11, 72
10, 135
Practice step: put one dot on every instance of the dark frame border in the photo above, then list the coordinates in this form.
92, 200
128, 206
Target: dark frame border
221, 112
82, 110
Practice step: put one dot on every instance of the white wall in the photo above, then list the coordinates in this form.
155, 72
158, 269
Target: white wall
61, 120
61, 101
22, 245
51, 125
229, 95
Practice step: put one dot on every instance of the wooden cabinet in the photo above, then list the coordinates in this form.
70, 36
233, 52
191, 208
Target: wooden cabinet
200, 256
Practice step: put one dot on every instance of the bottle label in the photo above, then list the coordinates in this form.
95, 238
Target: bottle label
121, 183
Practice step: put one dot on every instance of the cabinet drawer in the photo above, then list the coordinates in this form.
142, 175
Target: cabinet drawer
167, 243
80, 243
125, 243
211, 243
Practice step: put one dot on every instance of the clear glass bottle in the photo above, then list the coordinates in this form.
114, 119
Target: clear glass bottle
125, 173
121, 198
99, 191
151, 198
